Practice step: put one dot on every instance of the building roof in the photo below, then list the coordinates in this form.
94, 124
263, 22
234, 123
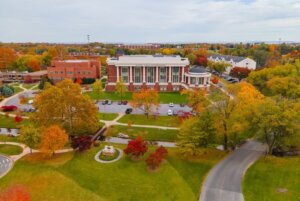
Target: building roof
197, 69
73, 60
228, 57
149, 60
38, 73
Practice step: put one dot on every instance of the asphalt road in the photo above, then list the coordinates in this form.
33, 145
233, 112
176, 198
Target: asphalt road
224, 181
5, 165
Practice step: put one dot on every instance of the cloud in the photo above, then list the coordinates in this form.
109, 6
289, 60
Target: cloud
149, 21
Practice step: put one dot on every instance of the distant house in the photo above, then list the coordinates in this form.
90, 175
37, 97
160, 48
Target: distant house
15, 76
234, 61
72, 69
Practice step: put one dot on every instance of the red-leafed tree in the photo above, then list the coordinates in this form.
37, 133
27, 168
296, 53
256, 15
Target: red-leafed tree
15, 193
215, 80
18, 119
155, 159
136, 148
79, 80
201, 60
81, 143
28, 79
240, 72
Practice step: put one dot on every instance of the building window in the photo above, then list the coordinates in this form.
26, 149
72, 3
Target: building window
193, 80
150, 75
162, 74
78, 72
175, 74
163, 88
70, 72
137, 74
125, 74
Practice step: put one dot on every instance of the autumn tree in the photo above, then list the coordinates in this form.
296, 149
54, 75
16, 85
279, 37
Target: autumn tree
196, 132
7, 57
65, 105
220, 66
53, 138
146, 99
81, 143
136, 148
31, 136
196, 99
155, 159
97, 89
15, 193
121, 89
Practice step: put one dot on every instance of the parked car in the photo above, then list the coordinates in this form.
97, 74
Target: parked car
170, 112
119, 102
30, 102
109, 102
104, 102
124, 102
171, 104
122, 135
128, 111
182, 105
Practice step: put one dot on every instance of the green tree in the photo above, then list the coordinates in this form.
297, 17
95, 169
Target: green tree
220, 66
30, 135
121, 89
97, 89
197, 132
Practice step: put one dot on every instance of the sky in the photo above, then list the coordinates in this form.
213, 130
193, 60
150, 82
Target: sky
149, 21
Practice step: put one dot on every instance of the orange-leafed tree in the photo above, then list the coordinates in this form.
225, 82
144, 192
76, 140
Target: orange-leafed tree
7, 57
15, 193
34, 64
215, 80
146, 99
53, 139
196, 99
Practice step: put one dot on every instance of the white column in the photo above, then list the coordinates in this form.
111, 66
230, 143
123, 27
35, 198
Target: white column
197, 81
156, 80
131, 73
117, 73
204, 80
189, 80
182, 74
170, 72
144, 79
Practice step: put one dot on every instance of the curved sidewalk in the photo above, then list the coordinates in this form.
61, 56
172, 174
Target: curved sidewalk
224, 181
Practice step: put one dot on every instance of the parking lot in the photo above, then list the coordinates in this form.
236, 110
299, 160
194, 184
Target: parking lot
112, 108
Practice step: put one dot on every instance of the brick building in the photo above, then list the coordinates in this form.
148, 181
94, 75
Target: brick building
164, 73
73, 69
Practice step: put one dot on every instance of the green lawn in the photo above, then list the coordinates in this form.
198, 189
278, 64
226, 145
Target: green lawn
168, 121
17, 89
79, 177
164, 97
269, 174
5, 138
107, 116
147, 133
9, 122
215, 94
10, 149
28, 86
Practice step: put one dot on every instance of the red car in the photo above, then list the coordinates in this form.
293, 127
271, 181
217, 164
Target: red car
9, 108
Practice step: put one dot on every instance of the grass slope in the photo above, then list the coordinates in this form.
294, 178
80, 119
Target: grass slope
107, 116
266, 176
148, 133
79, 177
9, 122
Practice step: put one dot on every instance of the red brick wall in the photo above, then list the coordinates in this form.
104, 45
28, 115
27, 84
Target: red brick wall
111, 73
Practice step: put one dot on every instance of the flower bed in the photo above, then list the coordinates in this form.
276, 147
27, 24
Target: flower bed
109, 158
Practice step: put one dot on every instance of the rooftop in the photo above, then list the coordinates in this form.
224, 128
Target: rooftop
74, 60
228, 57
149, 60
197, 69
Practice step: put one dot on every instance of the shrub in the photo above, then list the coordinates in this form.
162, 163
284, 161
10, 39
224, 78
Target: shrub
7, 90
240, 72
155, 159
215, 80
81, 143
18, 119
136, 148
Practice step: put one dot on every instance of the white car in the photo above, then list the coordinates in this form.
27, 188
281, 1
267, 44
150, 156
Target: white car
30, 102
170, 112
171, 104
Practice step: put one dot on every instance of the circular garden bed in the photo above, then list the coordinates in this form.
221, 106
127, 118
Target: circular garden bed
102, 158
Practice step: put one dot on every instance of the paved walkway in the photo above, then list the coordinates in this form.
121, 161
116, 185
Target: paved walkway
118, 140
5, 165
224, 181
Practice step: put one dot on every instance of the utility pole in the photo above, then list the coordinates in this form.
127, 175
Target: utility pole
88, 40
